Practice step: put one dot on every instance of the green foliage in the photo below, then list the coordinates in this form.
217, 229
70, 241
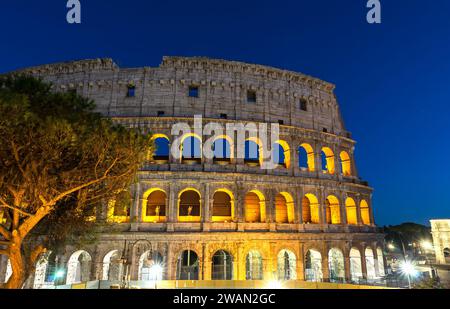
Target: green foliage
61, 155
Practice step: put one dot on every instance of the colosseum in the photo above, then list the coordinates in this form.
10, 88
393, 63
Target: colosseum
197, 219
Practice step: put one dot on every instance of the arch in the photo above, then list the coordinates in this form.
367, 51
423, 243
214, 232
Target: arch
284, 208
310, 209
151, 266
187, 265
365, 212
327, 160
79, 267
112, 266
350, 207
222, 266
380, 262
162, 147
346, 163
254, 206
336, 265
355, 265
281, 153
313, 265
306, 157
189, 205
287, 265
223, 148
370, 263
254, 266
191, 148
223, 206
44, 274
154, 205
333, 210
119, 207
253, 151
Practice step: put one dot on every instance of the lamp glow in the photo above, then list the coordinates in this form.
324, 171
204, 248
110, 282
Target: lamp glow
274, 285
408, 268
156, 271
427, 245
391, 246
60, 273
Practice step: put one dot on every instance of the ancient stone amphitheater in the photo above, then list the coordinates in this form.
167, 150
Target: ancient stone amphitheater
225, 218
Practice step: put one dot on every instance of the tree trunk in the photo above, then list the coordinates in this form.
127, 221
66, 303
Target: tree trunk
18, 266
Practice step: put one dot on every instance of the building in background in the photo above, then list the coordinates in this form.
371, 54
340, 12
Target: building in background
440, 230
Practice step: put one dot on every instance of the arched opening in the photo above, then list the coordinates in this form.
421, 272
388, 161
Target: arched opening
287, 264
336, 265
191, 149
254, 266
45, 272
310, 209
281, 153
370, 264
78, 267
187, 266
112, 266
154, 206
252, 153
223, 206
189, 206
313, 266
151, 266
162, 148
119, 207
254, 206
222, 150
222, 266
345, 163
350, 208
284, 208
333, 210
380, 261
327, 160
306, 157
355, 265
446, 253
365, 212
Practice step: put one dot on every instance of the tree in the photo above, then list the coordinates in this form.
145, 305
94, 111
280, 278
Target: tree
58, 161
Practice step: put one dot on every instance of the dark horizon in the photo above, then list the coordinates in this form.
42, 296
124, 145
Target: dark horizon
392, 80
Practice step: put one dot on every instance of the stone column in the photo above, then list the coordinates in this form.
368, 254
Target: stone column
301, 262
207, 213
372, 217
322, 208
270, 206
342, 197
358, 209
172, 211
299, 205
325, 266
337, 162
363, 261
136, 211
318, 158
347, 268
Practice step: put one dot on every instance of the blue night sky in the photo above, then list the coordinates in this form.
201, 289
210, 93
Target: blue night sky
392, 79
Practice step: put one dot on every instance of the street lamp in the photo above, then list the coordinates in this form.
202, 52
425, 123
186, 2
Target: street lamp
409, 270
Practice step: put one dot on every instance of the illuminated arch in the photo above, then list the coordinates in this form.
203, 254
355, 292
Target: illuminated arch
310, 209
112, 266
346, 165
223, 206
223, 151
254, 266
333, 210
162, 148
370, 263
189, 205
286, 265
255, 207
365, 212
191, 148
44, 274
336, 265
350, 207
327, 160
284, 208
281, 153
154, 205
79, 267
151, 266
187, 265
222, 266
313, 265
253, 151
355, 265
306, 157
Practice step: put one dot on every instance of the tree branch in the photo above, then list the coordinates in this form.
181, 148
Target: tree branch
4, 252
22, 212
5, 233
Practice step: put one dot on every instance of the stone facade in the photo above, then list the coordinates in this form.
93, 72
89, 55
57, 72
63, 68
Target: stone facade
309, 115
440, 229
